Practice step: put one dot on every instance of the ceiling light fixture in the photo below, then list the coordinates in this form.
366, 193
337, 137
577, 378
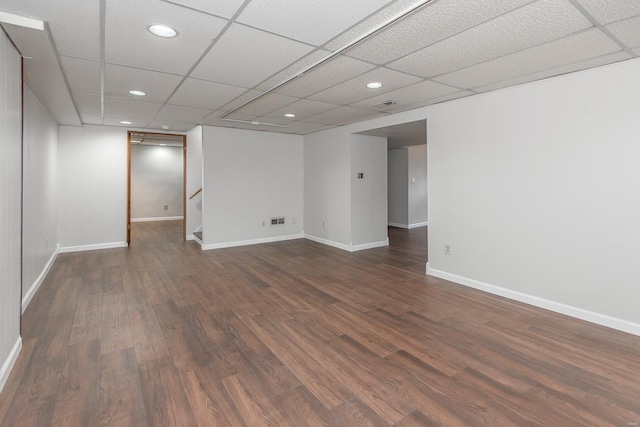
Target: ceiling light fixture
165, 127
163, 145
290, 115
374, 85
137, 92
162, 31
124, 122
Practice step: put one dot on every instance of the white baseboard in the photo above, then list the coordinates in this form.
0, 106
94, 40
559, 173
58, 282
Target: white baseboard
190, 237
355, 248
579, 313
251, 242
398, 225
160, 218
100, 246
7, 366
418, 224
36, 285
328, 242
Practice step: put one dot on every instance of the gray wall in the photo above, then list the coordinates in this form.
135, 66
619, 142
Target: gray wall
194, 180
417, 182
156, 181
398, 187
10, 204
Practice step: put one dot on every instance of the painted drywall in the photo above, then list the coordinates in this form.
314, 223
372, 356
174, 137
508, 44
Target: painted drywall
417, 185
327, 187
194, 181
369, 193
398, 187
40, 202
92, 187
156, 182
249, 178
535, 189
10, 204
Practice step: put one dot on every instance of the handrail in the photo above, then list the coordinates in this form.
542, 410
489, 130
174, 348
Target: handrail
195, 194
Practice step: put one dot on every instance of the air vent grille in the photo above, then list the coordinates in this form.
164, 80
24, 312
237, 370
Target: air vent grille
386, 104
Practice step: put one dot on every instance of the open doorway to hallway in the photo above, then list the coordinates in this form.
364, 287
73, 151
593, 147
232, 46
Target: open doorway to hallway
156, 182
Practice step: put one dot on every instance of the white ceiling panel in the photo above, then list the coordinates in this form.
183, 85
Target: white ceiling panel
267, 103
245, 57
87, 104
293, 69
627, 31
303, 128
129, 43
579, 47
408, 95
432, 23
302, 109
637, 51
205, 94
115, 121
214, 119
337, 70
522, 28
299, 20
83, 75
120, 107
576, 66
226, 8
606, 11
182, 114
451, 96
120, 80
91, 118
343, 115
356, 90
173, 126
75, 26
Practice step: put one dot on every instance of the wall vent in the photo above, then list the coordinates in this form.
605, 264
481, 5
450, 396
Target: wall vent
386, 104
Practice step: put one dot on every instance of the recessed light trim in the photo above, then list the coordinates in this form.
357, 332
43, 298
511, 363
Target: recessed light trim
165, 127
137, 93
290, 115
161, 30
125, 122
162, 145
374, 85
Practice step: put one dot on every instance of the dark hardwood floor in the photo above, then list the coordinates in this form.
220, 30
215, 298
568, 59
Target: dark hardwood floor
299, 334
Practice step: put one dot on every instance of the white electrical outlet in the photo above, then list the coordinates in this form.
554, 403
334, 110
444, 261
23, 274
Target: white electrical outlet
447, 249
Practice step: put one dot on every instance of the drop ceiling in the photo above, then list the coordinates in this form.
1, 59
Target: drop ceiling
228, 63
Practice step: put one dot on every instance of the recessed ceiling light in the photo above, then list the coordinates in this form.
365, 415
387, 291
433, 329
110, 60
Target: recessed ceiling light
165, 127
124, 122
137, 92
162, 30
374, 85
290, 115
163, 145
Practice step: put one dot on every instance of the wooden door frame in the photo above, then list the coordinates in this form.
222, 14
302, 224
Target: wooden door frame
184, 181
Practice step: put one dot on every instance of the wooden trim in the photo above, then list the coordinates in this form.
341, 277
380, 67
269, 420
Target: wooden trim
195, 194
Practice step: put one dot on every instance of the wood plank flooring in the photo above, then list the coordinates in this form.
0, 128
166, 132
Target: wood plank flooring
299, 334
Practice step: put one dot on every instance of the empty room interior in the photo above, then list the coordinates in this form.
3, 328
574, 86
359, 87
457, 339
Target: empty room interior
301, 213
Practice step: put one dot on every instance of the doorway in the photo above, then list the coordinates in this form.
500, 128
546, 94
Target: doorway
156, 178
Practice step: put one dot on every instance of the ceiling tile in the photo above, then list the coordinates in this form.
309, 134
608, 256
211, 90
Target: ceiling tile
87, 104
120, 107
120, 80
578, 47
129, 43
303, 128
74, 26
332, 72
520, 29
83, 75
576, 66
266, 104
205, 94
627, 31
115, 121
91, 118
182, 114
300, 20
173, 126
226, 8
294, 69
434, 22
408, 95
637, 51
451, 96
606, 11
214, 119
244, 56
302, 109
343, 115
356, 90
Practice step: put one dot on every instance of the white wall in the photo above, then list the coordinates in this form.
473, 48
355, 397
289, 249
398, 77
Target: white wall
194, 180
156, 181
10, 204
417, 185
327, 187
250, 177
368, 195
40, 204
92, 192
397, 188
